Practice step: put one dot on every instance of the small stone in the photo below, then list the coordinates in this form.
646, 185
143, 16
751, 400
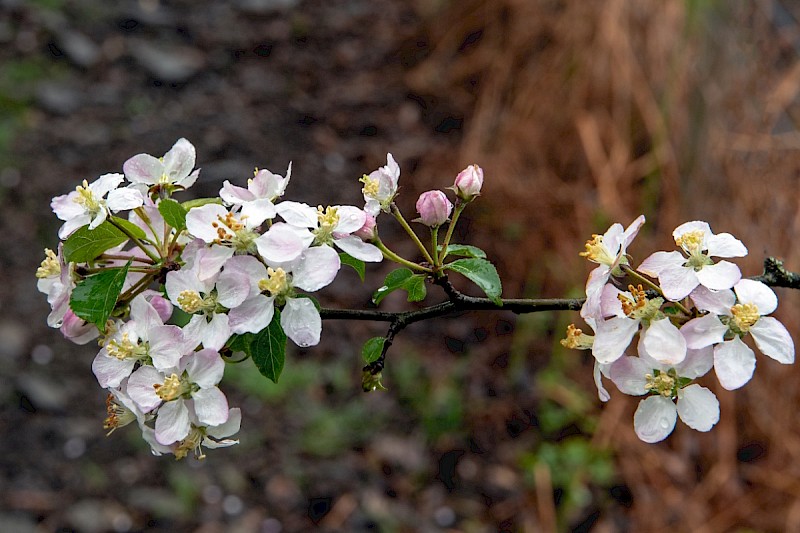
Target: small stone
79, 48
170, 65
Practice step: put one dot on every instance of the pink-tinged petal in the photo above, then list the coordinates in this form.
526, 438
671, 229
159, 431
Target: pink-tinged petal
156, 448
698, 407
703, 331
77, 330
610, 303
359, 249
697, 363
232, 288
283, 243
162, 305
253, 315
172, 422
717, 302
179, 161
773, 339
734, 363
199, 221
257, 211
350, 219
655, 419
659, 261
143, 168
210, 406
109, 370
99, 218
663, 342
205, 368
613, 238
301, 322
71, 225
141, 389
182, 280
372, 206
316, 268
193, 332
298, 214
631, 231
144, 314
695, 225
602, 393
598, 277
65, 207
209, 261
628, 374
167, 346
250, 267
216, 332
612, 338
121, 199
725, 245
229, 427
677, 282
720, 276
749, 291
105, 184
233, 194
189, 180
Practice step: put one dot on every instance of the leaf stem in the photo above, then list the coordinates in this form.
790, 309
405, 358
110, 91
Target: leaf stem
449, 235
390, 255
135, 240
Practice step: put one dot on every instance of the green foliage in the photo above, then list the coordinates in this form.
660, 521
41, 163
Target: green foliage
372, 349
267, 348
197, 202
402, 278
174, 213
357, 264
87, 244
130, 227
482, 273
465, 250
94, 298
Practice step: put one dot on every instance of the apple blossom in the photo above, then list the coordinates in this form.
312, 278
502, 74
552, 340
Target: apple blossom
258, 198
434, 208
173, 170
380, 187
468, 183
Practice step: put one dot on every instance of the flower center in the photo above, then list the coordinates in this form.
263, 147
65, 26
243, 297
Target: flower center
691, 241
86, 198
663, 383
744, 316
125, 349
576, 339
192, 442
597, 252
172, 388
371, 187
118, 415
192, 302
276, 282
638, 306
50, 267
234, 233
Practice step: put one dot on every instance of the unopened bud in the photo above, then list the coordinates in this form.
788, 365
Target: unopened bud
368, 231
77, 329
469, 182
434, 208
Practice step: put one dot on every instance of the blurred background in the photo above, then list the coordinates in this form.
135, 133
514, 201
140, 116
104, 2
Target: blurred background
581, 113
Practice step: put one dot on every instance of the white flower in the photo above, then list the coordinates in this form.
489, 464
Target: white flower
194, 383
88, 204
380, 187
656, 415
679, 275
173, 169
609, 251
257, 199
730, 319
216, 225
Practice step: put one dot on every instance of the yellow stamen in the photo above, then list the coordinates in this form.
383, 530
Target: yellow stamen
276, 284
744, 316
663, 384
171, 389
371, 186
50, 267
597, 252
118, 415
192, 442
576, 339
328, 218
691, 241
638, 303
86, 197
125, 349
190, 301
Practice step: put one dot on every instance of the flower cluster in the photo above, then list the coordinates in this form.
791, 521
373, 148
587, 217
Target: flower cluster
227, 270
691, 314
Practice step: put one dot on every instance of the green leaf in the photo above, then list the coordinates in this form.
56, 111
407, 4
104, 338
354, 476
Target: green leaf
465, 250
372, 349
482, 273
357, 264
130, 227
87, 244
197, 202
241, 343
402, 278
94, 298
268, 349
174, 213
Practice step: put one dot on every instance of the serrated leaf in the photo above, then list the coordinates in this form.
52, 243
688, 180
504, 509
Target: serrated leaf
87, 244
197, 202
415, 285
174, 213
482, 273
465, 250
394, 280
372, 349
94, 298
130, 227
357, 264
268, 349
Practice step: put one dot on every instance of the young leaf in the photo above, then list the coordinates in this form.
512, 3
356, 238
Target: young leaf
415, 285
241, 343
372, 349
94, 298
394, 280
268, 349
86, 244
357, 264
130, 227
197, 202
174, 213
465, 250
482, 273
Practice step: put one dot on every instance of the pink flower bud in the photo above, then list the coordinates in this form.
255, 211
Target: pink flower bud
434, 208
368, 231
469, 182
162, 306
78, 330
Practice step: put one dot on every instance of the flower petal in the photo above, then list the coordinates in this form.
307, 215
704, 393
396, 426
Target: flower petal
720, 276
704, 331
677, 282
664, 342
734, 363
717, 302
172, 422
725, 245
143, 168
210, 406
301, 321
628, 374
283, 243
655, 419
656, 263
773, 339
612, 337
359, 249
252, 316
316, 268
179, 161
750, 291
206, 368
698, 407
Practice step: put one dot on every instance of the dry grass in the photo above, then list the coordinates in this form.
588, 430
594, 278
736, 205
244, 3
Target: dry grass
583, 113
